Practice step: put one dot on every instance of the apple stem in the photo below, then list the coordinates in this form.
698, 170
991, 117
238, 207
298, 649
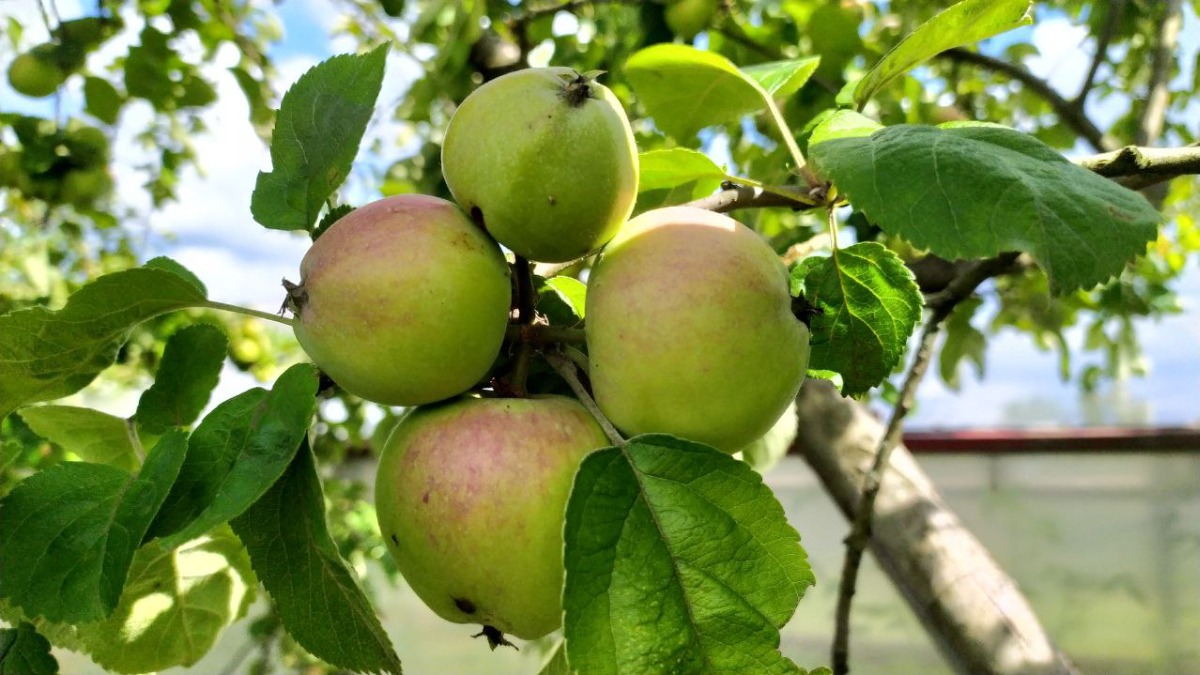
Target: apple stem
211, 304
566, 368
541, 334
526, 297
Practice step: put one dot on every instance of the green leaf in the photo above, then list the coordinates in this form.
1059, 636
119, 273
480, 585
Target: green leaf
675, 176
24, 652
965, 23
175, 605
236, 453
686, 89
869, 303
843, 124
556, 662
963, 341
103, 99
165, 263
10, 451
976, 191
317, 132
781, 79
189, 371
562, 300
47, 354
315, 594
331, 216
695, 530
92, 435
762, 455
68, 533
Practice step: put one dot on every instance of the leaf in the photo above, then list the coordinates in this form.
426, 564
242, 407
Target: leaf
781, 79
68, 533
318, 129
695, 530
189, 371
763, 454
965, 23
869, 303
92, 435
236, 453
963, 341
47, 354
686, 89
843, 124
175, 605
556, 662
9, 452
976, 191
315, 594
675, 176
562, 300
164, 263
24, 652
103, 100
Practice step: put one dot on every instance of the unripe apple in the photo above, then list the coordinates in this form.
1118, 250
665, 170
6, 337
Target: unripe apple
690, 330
686, 18
36, 73
403, 301
471, 496
546, 159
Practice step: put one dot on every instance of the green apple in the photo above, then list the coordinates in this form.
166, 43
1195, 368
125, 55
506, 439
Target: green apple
545, 159
690, 330
403, 301
471, 496
82, 187
36, 73
686, 18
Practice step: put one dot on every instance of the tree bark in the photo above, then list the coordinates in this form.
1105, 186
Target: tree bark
971, 608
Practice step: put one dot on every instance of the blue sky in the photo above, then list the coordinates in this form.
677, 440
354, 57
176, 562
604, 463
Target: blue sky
210, 230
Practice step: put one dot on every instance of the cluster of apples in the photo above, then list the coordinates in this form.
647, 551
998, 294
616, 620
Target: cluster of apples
406, 301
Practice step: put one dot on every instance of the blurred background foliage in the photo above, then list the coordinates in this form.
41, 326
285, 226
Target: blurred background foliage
140, 69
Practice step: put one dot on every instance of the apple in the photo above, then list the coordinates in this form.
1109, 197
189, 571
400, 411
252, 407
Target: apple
36, 72
686, 18
690, 330
471, 497
544, 158
403, 301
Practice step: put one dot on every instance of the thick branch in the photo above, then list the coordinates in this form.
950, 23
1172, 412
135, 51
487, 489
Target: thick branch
1140, 167
1158, 95
974, 612
1069, 113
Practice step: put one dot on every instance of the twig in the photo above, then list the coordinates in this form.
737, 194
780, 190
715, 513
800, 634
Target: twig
1116, 8
212, 304
733, 197
566, 368
1068, 112
1158, 93
942, 304
541, 335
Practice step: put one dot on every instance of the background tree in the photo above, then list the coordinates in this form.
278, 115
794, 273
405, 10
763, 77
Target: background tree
126, 70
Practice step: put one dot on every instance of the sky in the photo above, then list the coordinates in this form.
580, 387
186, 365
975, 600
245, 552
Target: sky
209, 230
